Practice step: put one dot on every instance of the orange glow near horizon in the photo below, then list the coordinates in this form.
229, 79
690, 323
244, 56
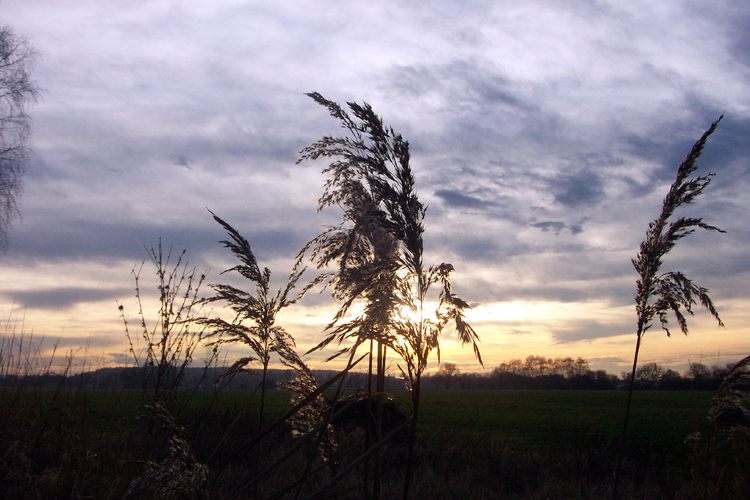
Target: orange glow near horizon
507, 330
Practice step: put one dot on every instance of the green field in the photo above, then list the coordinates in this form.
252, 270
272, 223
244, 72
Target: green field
560, 418
472, 444
534, 419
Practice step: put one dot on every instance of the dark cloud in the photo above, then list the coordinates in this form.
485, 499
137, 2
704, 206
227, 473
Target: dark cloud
575, 190
575, 331
667, 145
736, 17
465, 82
182, 161
476, 249
83, 240
553, 226
62, 342
582, 292
484, 109
64, 298
607, 359
119, 358
458, 199
726, 151
557, 227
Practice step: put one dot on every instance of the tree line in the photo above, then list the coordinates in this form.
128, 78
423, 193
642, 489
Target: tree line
534, 372
539, 372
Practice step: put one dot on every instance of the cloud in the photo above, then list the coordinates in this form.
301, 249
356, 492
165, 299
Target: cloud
575, 190
557, 227
182, 160
45, 343
458, 199
543, 137
119, 358
554, 226
65, 297
575, 331
50, 238
607, 359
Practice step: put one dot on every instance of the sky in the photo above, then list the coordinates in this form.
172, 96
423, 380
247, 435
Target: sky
543, 136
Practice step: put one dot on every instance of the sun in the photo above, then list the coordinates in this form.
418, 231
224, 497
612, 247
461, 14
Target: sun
414, 315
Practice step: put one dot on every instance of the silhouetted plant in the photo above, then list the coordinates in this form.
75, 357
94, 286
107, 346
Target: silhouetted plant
179, 474
254, 322
721, 455
313, 416
378, 250
20, 352
659, 294
170, 342
417, 334
730, 407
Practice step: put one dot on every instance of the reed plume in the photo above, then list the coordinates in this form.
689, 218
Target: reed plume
179, 474
377, 250
657, 295
311, 417
254, 321
730, 406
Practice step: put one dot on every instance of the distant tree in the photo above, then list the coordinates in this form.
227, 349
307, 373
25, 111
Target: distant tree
649, 375
701, 377
569, 367
580, 367
449, 369
671, 379
538, 372
718, 373
17, 90
603, 380
698, 371
535, 366
514, 366
562, 366
447, 373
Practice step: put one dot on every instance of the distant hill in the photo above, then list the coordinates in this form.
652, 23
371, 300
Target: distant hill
132, 378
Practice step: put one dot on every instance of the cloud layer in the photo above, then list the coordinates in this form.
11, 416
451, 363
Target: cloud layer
543, 137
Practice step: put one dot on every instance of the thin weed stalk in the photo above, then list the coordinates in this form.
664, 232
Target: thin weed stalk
170, 342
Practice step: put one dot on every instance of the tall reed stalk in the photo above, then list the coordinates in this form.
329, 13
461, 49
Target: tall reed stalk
254, 313
659, 294
377, 251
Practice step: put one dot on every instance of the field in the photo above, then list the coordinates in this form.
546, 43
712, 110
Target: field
472, 444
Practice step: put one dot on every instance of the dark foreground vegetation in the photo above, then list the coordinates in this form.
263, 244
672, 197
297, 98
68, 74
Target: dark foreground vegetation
72, 443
